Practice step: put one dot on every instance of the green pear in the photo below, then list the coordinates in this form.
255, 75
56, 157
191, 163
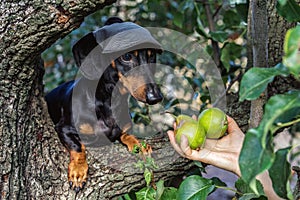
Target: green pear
214, 122
194, 133
180, 119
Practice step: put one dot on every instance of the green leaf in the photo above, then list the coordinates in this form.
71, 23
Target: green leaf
287, 118
282, 2
178, 19
144, 144
255, 81
252, 196
169, 194
150, 163
244, 188
229, 53
247, 192
231, 18
291, 59
291, 42
218, 182
257, 151
160, 189
135, 149
255, 157
126, 197
200, 28
148, 176
200, 165
242, 10
278, 109
195, 188
219, 36
289, 9
280, 173
146, 193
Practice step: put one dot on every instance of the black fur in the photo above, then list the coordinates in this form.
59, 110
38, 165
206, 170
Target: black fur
90, 101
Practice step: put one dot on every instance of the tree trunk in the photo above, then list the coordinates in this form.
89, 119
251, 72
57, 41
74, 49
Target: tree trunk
276, 37
33, 161
265, 41
258, 37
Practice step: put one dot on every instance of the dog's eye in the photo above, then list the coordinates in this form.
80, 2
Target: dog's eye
126, 57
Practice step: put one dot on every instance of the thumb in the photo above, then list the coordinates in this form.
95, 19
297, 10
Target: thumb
232, 125
184, 145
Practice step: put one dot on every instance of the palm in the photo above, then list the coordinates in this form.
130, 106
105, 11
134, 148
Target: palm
222, 153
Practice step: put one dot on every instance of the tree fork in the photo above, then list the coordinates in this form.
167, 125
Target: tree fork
33, 161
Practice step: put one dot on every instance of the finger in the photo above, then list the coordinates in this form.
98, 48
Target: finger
202, 155
184, 145
210, 143
174, 126
195, 117
174, 143
233, 126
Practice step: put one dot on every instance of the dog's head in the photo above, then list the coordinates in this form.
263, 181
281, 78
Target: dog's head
135, 71
127, 49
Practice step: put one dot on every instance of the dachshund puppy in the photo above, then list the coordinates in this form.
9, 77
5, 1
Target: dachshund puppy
115, 61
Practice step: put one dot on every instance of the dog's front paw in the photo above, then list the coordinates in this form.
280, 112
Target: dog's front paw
134, 145
77, 171
145, 148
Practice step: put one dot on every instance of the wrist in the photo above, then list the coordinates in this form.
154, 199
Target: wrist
266, 181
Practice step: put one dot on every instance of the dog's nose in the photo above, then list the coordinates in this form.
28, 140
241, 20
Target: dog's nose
154, 94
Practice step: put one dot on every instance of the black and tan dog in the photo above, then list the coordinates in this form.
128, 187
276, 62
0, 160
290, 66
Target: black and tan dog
86, 108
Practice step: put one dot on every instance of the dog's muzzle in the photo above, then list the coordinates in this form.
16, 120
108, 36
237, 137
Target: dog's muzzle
153, 94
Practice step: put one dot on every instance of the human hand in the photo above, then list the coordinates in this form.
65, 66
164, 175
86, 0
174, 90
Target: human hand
223, 153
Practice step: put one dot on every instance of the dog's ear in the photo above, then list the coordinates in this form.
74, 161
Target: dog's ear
86, 44
113, 20
83, 47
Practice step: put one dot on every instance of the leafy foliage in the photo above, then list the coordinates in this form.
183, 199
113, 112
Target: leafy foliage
195, 188
253, 161
246, 193
281, 163
255, 81
230, 52
289, 9
280, 111
161, 192
291, 59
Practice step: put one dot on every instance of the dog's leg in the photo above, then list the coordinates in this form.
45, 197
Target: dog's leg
78, 167
130, 141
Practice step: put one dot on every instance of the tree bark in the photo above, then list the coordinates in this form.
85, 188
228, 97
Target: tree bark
276, 37
33, 161
258, 37
265, 41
